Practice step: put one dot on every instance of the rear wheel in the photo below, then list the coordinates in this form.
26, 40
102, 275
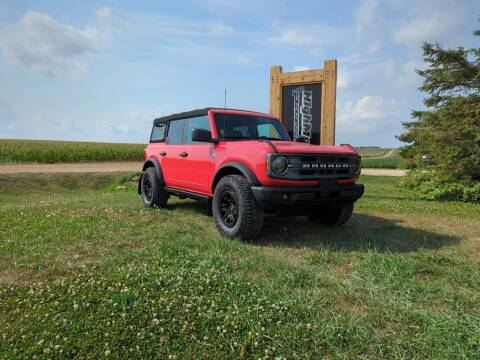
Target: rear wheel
235, 211
152, 191
331, 215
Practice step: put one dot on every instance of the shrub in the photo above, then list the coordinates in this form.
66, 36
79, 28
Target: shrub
431, 185
472, 194
408, 163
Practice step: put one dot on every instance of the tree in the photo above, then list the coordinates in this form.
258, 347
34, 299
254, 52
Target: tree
449, 130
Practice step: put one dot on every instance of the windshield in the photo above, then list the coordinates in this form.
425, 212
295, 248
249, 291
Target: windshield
249, 127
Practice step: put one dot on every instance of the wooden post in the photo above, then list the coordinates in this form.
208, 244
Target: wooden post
330, 92
275, 91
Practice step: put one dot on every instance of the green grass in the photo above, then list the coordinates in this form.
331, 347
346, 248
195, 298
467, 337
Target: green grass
36, 151
372, 152
87, 271
391, 161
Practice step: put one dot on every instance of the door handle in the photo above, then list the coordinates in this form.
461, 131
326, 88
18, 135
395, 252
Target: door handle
183, 154
163, 153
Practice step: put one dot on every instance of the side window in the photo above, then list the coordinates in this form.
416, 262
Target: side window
175, 131
199, 122
158, 133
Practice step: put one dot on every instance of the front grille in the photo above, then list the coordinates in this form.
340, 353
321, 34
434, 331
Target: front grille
309, 167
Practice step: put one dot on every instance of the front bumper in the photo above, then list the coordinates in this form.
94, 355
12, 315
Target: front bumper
282, 197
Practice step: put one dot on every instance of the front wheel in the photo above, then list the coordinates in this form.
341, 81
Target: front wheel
235, 211
152, 191
331, 215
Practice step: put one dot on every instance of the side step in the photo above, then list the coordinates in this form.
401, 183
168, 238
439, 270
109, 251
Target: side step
186, 194
182, 194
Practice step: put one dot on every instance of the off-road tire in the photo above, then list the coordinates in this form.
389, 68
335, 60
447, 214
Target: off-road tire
249, 219
331, 215
152, 190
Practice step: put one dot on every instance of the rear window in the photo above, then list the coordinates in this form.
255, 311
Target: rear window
175, 131
158, 133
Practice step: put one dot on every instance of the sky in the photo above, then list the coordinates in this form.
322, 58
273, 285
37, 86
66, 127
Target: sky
103, 70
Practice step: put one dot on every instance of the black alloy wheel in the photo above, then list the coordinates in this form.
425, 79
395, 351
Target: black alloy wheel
228, 208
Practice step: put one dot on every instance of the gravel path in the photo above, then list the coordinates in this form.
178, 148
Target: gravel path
124, 167
383, 172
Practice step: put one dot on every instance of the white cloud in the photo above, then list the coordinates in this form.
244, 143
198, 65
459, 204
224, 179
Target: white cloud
365, 14
408, 78
294, 37
105, 15
161, 25
429, 25
301, 68
374, 47
343, 79
244, 59
40, 43
308, 35
370, 113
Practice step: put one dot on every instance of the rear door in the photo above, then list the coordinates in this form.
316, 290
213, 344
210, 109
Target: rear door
172, 149
194, 166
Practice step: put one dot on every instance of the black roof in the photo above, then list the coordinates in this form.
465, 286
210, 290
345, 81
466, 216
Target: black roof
187, 114
183, 115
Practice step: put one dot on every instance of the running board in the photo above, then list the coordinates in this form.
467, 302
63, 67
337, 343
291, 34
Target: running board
187, 194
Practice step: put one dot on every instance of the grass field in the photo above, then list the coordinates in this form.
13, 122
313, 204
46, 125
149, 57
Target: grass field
372, 152
388, 160
86, 271
47, 152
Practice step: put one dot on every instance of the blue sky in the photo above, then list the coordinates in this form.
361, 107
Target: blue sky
102, 70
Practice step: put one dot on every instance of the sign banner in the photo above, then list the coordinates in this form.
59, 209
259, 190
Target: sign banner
301, 109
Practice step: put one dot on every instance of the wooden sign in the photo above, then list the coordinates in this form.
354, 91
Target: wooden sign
305, 102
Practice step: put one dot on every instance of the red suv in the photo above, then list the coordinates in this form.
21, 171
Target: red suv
244, 164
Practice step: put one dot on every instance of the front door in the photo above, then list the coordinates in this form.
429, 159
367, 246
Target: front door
194, 164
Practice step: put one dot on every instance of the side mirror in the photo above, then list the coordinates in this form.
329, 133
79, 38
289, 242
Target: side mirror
202, 135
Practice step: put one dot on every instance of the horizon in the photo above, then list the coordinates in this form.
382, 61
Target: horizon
101, 71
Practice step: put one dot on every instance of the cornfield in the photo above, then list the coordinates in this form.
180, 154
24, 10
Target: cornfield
47, 152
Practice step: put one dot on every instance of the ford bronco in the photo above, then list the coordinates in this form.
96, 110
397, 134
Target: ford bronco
243, 164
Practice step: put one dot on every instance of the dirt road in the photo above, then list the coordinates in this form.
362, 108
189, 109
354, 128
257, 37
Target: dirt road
71, 168
124, 167
383, 172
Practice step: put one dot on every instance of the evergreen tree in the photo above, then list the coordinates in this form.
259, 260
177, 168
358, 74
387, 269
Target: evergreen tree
449, 130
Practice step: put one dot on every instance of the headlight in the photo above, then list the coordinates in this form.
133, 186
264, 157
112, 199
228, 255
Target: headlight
356, 169
280, 165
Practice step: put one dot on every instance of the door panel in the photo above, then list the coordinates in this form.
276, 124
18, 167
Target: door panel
169, 164
194, 168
